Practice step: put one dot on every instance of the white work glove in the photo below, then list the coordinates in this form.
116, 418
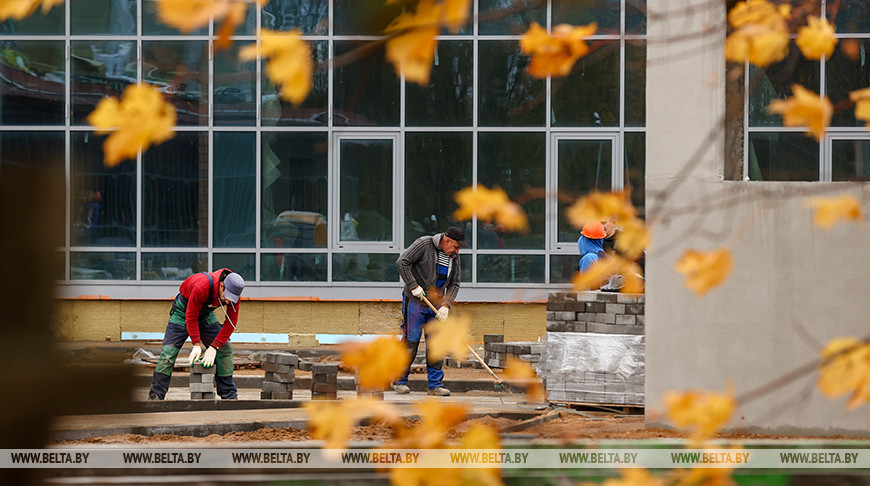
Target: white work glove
442, 313
194, 353
208, 357
418, 292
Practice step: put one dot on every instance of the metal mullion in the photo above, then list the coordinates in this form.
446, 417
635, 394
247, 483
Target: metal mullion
746, 121
825, 169
139, 209
475, 125
67, 160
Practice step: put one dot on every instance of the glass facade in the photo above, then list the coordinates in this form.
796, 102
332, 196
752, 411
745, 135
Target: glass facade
319, 199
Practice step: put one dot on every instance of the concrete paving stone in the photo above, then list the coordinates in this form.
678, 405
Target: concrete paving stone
635, 330
324, 369
553, 305
557, 326
199, 368
640, 320
197, 377
615, 387
615, 308
196, 395
575, 396
493, 338
625, 320
605, 318
595, 307
586, 297
530, 358
324, 388
270, 357
288, 395
499, 347
286, 358
324, 396
611, 297
592, 387
278, 368
305, 365
598, 328
594, 397
206, 378
575, 307
331, 378
264, 395
564, 316
630, 299
280, 377
201, 387
208, 396
634, 309
271, 386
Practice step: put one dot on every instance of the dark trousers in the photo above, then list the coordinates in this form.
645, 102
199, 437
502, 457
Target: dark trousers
414, 316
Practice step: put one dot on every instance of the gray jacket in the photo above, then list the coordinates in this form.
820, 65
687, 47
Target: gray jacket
418, 266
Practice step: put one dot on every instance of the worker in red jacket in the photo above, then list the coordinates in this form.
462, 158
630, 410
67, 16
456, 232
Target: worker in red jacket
192, 315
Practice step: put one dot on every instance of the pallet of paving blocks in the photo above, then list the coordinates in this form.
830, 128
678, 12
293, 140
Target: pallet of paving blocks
201, 382
280, 376
324, 381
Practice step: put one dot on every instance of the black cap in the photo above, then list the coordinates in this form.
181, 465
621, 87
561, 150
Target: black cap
455, 233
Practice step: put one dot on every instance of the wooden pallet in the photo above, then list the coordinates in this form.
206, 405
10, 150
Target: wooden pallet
608, 407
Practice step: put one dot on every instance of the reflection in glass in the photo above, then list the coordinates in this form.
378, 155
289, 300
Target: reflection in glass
367, 89
448, 99
510, 16
313, 111
850, 160
849, 16
563, 267
180, 70
235, 88
634, 148
508, 95
584, 166
589, 96
175, 192
102, 266
32, 82
295, 190
99, 69
465, 262
783, 157
172, 266
363, 17
50, 23
635, 17
364, 267
510, 268
247, 27
296, 267
437, 165
245, 264
366, 192
775, 82
310, 16
604, 12
102, 199
151, 24
515, 162
235, 185
635, 83
102, 17
843, 75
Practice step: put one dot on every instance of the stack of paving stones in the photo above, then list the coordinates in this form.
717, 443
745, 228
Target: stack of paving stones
280, 376
595, 348
324, 381
496, 352
201, 382
304, 365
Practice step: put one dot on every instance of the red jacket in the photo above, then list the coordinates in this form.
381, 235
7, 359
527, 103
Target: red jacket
195, 290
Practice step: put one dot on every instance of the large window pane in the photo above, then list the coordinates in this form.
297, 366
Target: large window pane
102, 199
635, 83
99, 69
783, 157
175, 192
180, 70
172, 266
634, 149
102, 17
245, 264
364, 267
510, 16
310, 16
235, 186
295, 190
313, 111
437, 165
235, 88
510, 268
32, 88
603, 12
366, 193
635, 17
447, 100
102, 266
842, 75
247, 27
151, 24
849, 16
584, 166
295, 267
589, 96
367, 89
516, 163
775, 82
508, 95
850, 160
363, 17
50, 23
563, 268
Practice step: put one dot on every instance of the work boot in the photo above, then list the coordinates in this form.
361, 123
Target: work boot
402, 389
154, 396
440, 392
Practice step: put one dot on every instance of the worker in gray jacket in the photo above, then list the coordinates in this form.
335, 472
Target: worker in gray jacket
431, 262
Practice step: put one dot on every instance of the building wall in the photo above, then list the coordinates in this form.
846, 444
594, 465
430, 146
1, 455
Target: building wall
794, 286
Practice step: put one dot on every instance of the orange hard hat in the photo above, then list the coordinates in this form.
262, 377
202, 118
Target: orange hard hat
594, 230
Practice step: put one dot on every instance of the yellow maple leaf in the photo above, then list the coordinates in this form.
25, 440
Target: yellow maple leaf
760, 33
598, 273
521, 373
189, 15
705, 269
290, 65
805, 108
331, 422
455, 14
633, 283
861, 98
701, 413
436, 419
488, 205
512, 217
142, 117
756, 12
600, 206
827, 211
816, 39
19, 9
448, 337
845, 368
633, 239
413, 49
706, 476
234, 17
480, 437
555, 54
378, 362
